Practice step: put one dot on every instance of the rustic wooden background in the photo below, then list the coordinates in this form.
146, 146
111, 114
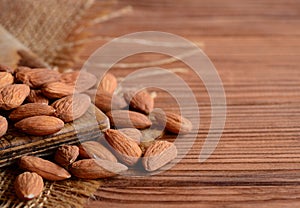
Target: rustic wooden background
255, 46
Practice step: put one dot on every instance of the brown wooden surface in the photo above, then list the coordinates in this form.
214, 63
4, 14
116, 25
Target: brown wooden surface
255, 48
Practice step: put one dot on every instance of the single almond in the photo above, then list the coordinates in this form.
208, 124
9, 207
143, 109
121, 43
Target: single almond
4, 68
107, 102
93, 149
28, 185
12, 96
71, 107
31, 109
48, 170
6, 79
66, 155
55, 90
128, 119
108, 83
132, 133
36, 96
127, 150
3, 126
93, 169
82, 80
173, 122
141, 101
40, 125
159, 154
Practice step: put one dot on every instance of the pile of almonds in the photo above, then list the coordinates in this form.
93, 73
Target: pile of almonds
40, 101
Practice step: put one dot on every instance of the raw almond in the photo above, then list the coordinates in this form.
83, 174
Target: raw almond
93, 169
173, 122
6, 79
40, 125
82, 80
141, 101
28, 185
36, 77
4, 68
108, 83
55, 90
132, 133
93, 149
31, 109
159, 154
66, 155
3, 126
36, 96
128, 119
105, 101
127, 150
12, 96
48, 170
71, 107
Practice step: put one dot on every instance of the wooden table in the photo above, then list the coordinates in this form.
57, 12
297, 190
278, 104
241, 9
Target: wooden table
255, 46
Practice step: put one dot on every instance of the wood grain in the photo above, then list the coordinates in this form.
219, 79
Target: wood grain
255, 48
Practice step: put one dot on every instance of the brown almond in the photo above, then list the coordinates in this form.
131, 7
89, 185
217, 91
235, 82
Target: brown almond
55, 90
40, 125
28, 185
127, 150
48, 170
140, 101
93, 149
3, 126
93, 169
36, 96
36, 77
66, 155
4, 68
6, 79
12, 96
106, 102
128, 119
31, 109
82, 80
108, 83
173, 122
132, 133
159, 154
71, 107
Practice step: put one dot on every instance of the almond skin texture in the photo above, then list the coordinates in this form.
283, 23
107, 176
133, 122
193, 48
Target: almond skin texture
127, 150
66, 155
31, 109
93, 169
71, 107
6, 79
132, 133
55, 90
141, 101
40, 125
3, 126
28, 185
4, 68
48, 170
128, 119
36, 96
108, 83
158, 154
36, 77
82, 80
174, 122
12, 96
105, 101
93, 149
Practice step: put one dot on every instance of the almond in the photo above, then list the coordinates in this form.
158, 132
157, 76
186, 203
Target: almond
31, 109
55, 90
174, 122
28, 185
40, 125
71, 107
36, 77
106, 102
48, 170
159, 154
132, 133
82, 80
93, 149
3, 126
6, 79
66, 155
127, 150
93, 169
4, 68
108, 83
12, 96
36, 96
141, 101
128, 119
